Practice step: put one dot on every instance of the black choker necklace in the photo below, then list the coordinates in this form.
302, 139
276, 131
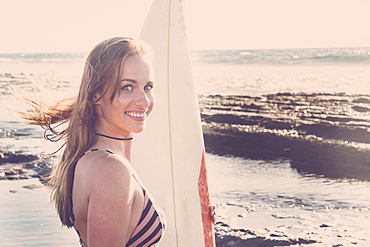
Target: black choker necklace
115, 138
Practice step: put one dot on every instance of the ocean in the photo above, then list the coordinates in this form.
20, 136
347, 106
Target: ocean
246, 72
246, 192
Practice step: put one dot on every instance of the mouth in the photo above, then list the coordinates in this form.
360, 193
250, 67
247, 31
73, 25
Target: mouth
136, 115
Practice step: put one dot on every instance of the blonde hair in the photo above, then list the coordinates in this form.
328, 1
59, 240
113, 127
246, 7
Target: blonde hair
100, 75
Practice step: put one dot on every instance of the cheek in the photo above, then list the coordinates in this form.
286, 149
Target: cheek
123, 100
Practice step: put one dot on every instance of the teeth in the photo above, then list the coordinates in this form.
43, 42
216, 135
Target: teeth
134, 114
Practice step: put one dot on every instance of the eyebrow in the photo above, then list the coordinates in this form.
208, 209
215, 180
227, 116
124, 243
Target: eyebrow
130, 80
134, 81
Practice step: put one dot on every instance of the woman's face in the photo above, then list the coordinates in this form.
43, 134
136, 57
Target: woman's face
128, 112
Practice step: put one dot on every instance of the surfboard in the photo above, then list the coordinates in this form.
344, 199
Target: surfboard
169, 155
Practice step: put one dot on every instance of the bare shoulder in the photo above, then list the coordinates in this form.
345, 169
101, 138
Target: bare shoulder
108, 191
99, 170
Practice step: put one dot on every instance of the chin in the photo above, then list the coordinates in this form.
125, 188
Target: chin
138, 130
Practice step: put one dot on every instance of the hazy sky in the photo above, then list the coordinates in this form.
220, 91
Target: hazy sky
77, 25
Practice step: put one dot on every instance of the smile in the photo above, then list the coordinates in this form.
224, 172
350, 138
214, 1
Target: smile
135, 114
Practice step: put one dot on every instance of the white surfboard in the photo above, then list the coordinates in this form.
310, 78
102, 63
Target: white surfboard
169, 154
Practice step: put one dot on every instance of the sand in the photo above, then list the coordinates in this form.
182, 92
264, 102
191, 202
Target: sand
27, 218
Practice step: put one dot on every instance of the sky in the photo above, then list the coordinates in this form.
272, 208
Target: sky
77, 25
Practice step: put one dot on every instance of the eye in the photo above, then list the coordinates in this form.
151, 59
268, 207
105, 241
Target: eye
148, 87
127, 88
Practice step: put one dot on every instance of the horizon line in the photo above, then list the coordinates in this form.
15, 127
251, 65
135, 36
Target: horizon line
195, 50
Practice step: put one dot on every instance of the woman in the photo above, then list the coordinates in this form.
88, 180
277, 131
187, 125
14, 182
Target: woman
94, 187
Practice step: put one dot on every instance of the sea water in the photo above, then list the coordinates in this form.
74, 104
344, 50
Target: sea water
255, 187
268, 196
257, 72
248, 72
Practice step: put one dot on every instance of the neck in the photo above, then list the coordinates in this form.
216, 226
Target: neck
117, 145
114, 138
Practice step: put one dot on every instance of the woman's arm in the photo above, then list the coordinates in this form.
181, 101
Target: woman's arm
110, 202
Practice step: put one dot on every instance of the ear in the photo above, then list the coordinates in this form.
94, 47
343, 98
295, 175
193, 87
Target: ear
97, 98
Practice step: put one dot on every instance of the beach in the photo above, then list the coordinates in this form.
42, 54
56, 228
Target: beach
287, 140
28, 219
257, 201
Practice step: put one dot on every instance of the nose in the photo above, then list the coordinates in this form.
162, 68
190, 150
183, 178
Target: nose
142, 99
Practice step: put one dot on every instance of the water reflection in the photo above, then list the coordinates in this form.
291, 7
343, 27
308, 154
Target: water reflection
268, 196
276, 183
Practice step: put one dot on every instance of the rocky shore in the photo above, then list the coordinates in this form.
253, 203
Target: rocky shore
322, 134
229, 237
17, 166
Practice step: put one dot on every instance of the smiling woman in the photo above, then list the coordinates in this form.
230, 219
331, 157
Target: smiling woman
134, 102
94, 187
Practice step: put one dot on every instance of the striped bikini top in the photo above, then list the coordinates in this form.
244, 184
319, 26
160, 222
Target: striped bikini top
150, 228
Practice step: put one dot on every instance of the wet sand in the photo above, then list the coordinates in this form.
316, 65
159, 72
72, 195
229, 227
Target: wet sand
27, 218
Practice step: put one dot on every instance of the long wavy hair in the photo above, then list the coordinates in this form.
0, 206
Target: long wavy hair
101, 75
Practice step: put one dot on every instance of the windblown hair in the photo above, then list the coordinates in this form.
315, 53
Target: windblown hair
100, 76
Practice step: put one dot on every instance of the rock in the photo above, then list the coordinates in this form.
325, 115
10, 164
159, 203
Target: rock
24, 177
21, 170
30, 166
11, 172
277, 235
14, 174
362, 100
43, 169
235, 241
16, 157
361, 109
323, 134
32, 186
